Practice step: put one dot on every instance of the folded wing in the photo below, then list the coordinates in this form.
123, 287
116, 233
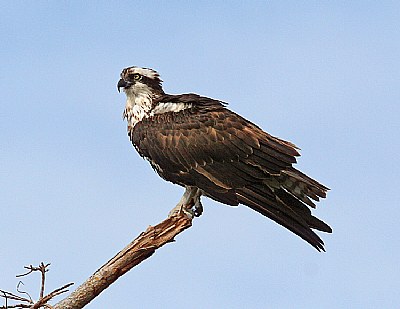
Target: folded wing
232, 160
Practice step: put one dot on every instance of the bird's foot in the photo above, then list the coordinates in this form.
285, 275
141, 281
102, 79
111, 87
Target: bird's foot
181, 208
198, 208
189, 204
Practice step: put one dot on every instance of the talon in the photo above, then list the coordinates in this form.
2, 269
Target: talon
189, 204
198, 209
181, 208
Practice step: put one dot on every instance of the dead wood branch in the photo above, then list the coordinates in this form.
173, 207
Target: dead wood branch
42, 268
136, 252
27, 302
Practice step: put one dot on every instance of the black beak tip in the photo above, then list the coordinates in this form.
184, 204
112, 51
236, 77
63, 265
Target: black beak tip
121, 84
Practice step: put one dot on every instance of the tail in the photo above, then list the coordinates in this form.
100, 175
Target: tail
284, 199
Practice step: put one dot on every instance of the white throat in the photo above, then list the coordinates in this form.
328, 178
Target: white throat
138, 104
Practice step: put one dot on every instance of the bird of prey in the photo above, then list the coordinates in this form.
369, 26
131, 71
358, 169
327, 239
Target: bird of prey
201, 145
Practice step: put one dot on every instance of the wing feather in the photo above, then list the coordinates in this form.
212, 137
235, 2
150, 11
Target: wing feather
232, 160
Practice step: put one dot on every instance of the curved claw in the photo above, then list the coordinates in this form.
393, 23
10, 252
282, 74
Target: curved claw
198, 209
189, 204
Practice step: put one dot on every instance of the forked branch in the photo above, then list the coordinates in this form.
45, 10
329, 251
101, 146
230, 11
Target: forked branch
27, 302
136, 252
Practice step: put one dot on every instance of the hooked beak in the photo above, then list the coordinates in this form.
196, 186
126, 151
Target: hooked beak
121, 84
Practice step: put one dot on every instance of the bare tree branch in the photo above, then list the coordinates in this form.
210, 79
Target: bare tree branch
43, 301
137, 251
42, 268
28, 302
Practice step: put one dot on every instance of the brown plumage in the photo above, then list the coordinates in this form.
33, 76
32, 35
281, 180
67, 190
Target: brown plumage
205, 145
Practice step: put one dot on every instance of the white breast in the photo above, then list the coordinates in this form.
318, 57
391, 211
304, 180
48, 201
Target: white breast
136, 108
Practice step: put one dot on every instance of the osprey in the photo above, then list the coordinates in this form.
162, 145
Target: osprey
198, 143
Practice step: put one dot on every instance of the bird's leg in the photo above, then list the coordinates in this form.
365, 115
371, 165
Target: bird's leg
190, 203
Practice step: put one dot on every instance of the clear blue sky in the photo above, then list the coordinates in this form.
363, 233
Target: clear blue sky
73, 192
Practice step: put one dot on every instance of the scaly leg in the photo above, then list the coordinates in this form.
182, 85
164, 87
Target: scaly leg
190, 203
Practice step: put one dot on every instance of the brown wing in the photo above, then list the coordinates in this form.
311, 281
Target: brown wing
233, 161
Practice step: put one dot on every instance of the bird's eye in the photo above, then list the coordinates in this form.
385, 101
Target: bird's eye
136, 76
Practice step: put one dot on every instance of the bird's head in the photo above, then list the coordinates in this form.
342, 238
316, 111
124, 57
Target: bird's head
137, 81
